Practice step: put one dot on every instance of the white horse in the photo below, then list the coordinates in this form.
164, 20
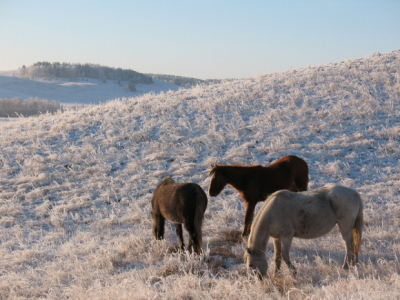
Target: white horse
306, 215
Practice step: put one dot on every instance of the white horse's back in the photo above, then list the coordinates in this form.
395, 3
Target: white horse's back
308, 214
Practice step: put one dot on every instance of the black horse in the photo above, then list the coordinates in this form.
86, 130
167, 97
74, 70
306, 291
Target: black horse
179, 203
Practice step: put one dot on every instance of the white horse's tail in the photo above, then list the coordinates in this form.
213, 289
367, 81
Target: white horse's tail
357, 231
201, 205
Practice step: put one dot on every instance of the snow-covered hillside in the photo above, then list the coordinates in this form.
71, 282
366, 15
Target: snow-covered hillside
75, 187
82, 91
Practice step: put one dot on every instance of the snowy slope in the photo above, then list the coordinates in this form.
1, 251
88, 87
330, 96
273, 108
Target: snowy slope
75, 187
83, 91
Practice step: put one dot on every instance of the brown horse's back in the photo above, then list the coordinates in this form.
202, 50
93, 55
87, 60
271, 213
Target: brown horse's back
295, 168
288, 173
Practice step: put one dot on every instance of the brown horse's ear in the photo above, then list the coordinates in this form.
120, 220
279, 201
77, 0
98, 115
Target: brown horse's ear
212, 171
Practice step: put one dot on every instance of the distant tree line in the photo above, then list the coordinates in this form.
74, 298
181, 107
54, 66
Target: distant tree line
183, 81
66, 70
29, 107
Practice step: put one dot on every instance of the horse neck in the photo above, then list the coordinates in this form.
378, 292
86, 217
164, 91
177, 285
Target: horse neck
234, 175
259, 234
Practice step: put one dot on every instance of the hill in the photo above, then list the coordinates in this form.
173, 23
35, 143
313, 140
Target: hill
73, 71
78, 84
184, 81
75, 187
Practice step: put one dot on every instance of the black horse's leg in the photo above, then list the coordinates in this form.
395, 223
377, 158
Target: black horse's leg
193, 238
248, 217
178, 229
277, 255
154, 225
158, 226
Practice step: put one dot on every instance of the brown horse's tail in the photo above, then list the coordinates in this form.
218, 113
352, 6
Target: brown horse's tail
357, 231
201, 205
300, 172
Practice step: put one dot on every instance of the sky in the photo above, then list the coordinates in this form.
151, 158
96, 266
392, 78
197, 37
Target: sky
196, 38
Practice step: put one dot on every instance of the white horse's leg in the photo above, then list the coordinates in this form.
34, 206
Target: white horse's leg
346, 231
286, 243
277, 255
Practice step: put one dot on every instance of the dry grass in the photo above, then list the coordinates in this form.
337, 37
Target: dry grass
75, 187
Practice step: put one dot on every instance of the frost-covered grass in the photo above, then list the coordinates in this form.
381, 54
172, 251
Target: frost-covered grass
75, 187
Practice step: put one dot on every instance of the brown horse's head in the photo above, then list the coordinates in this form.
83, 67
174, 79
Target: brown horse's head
218, 181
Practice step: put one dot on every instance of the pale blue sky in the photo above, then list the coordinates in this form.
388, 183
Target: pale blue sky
196, 38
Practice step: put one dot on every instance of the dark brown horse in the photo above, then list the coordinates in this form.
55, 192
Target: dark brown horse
179, 203
255, 183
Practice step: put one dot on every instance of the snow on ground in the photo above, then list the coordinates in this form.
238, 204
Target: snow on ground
82, 91
75, 187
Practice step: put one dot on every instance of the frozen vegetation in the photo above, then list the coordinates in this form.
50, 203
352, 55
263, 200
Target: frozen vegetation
31, 106
75, 187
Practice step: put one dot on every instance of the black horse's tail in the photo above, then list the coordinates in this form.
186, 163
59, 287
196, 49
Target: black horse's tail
201, 205
357, 231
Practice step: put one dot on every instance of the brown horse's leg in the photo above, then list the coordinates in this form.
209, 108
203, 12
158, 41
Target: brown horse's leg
277, 255
293, 188
286, 243
301, 183
248, 217
178, 229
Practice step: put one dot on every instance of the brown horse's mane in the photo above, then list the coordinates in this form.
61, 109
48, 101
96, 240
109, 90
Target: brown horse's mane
223, 168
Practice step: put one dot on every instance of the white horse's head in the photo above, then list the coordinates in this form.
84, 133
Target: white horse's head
256, 261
